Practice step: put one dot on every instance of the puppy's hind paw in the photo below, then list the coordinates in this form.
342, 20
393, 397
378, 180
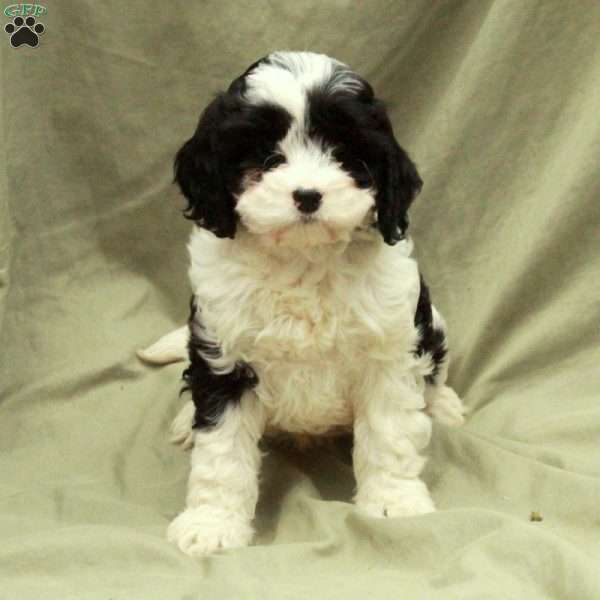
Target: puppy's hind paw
182, 432
444, 405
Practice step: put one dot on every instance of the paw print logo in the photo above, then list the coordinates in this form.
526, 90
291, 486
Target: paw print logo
24, 31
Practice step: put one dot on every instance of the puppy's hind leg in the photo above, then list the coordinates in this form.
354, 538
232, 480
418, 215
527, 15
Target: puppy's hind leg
442, 402
182, 426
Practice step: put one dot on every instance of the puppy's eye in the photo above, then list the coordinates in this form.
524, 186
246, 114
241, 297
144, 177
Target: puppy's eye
273, 161
362, 175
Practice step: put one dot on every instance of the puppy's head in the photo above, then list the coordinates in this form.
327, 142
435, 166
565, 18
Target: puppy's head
298, 151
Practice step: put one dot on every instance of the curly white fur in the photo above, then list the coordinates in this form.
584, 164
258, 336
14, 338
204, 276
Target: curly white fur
331, 338
223, 484
324, 312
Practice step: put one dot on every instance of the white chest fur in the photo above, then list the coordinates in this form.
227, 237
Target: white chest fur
309, 325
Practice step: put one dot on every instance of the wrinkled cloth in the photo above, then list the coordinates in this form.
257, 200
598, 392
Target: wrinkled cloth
498, 104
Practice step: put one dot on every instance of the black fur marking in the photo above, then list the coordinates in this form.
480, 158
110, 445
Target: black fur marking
358, 129
212, 392
432, 341
232, 139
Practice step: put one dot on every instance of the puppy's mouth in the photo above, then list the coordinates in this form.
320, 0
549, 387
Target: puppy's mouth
307, 228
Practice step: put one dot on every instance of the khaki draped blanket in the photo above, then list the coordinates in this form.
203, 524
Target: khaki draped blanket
498, 102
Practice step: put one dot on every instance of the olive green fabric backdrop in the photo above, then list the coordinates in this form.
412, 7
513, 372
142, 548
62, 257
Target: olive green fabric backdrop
499, 103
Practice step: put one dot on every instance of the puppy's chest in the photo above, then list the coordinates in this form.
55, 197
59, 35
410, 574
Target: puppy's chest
306, 351
299, 325
309, 351
310, 344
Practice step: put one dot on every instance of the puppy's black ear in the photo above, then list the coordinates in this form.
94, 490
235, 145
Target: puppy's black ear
199, 173
398, 184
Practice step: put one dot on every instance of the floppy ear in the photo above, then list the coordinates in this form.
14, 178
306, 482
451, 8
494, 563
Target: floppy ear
199, 174
398, 184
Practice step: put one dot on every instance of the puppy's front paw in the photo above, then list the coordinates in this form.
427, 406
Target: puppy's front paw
409, 499
204, 530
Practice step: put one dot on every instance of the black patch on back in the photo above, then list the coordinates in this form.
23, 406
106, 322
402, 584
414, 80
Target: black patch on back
432, 341
212, 392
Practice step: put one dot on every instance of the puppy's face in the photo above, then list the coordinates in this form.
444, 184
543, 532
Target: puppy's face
299, 153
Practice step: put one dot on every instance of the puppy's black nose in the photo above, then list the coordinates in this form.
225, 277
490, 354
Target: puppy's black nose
307, 201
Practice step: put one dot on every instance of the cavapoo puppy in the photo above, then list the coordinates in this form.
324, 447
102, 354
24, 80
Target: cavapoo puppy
308, 313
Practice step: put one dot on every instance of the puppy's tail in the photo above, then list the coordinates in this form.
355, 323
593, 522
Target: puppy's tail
170, 348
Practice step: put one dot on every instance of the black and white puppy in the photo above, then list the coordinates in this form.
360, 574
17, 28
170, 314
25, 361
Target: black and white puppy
308, 313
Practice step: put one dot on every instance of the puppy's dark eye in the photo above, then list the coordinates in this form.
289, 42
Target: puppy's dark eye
273, 161
363, 180
361, 174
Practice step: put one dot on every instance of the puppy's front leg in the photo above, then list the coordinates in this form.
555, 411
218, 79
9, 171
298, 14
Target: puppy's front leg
390, 429
223, 483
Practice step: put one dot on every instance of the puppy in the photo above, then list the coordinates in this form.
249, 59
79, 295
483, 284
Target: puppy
308, 313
